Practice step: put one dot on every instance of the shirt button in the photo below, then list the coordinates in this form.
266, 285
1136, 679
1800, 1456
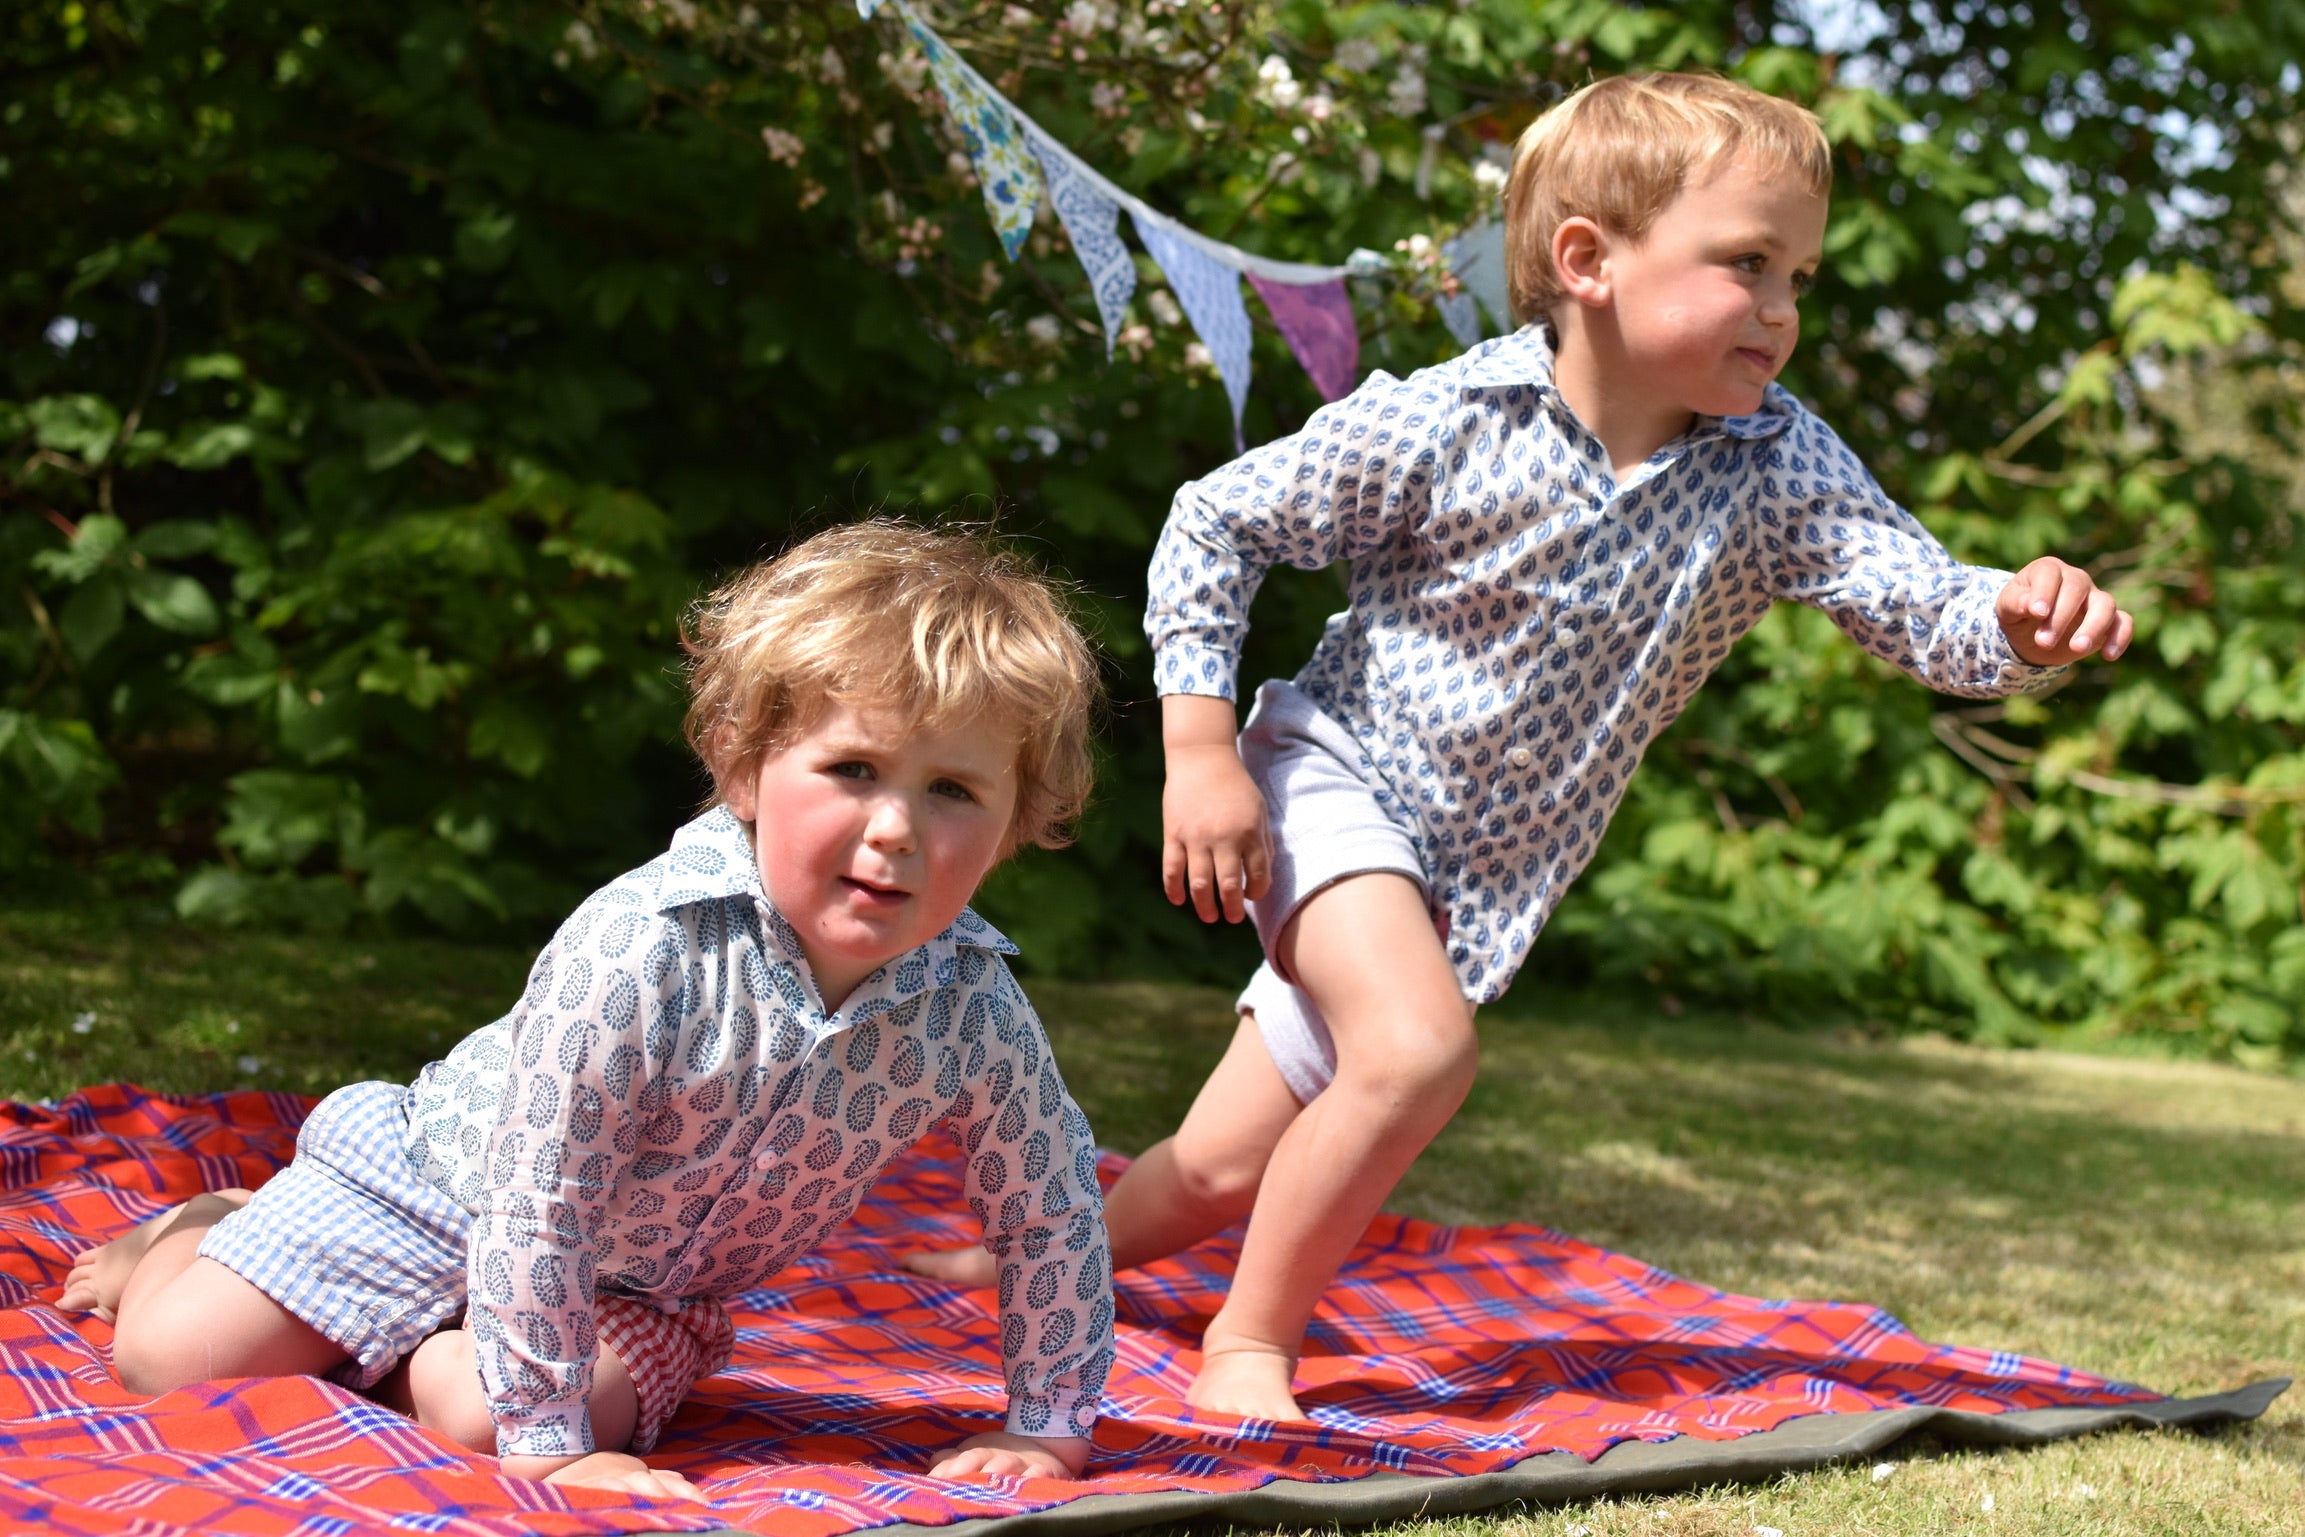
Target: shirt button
1521, 757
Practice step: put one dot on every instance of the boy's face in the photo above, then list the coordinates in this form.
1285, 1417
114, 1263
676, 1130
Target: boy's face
873, 831
1706, 303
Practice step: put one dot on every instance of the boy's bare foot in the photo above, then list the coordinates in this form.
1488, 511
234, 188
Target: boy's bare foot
98, 1276
1247, 1380
972, 1266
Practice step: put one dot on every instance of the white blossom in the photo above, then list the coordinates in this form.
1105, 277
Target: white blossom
1358, 54
1277, 83
784, 148
1045, 330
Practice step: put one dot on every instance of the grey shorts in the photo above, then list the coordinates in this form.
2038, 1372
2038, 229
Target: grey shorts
1320, 794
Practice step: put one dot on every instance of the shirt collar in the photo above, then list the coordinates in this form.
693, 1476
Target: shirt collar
1525, 360
711, 859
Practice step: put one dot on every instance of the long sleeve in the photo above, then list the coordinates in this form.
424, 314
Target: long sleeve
1831, 538
1347, 483
1031, 1179
578, 1089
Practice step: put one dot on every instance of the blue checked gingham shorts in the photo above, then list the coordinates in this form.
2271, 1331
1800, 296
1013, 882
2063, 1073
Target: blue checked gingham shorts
349, 1238
1326, 824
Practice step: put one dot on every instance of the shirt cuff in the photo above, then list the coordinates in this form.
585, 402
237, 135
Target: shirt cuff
2015, 675
1053, 1418
1183, 668
545, 1430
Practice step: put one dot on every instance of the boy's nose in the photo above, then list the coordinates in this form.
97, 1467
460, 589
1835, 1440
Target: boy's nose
890, 826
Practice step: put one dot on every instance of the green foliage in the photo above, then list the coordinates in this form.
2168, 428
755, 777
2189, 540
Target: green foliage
380, 384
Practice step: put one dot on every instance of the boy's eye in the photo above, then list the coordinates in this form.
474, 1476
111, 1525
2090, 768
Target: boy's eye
1802, 283
851, 768
952, 789
1752, 261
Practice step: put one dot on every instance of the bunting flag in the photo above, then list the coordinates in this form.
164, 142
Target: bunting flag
1317, 319
1210, 292
1015, 157
1477, 257
1092, 224
988, 127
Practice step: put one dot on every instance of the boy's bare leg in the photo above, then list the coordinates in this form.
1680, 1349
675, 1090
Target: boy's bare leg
1181, 1189
100, 1275
1365, 951
184, 1319
439, 1387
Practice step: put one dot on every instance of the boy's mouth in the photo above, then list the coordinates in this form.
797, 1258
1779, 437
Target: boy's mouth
869, 895
1762, 358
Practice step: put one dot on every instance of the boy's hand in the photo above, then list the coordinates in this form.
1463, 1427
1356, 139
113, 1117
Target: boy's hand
624, 1473
1213, 818
997, 1454
2054, 614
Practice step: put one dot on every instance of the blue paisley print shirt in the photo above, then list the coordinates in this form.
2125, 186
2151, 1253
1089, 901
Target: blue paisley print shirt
1522, 624
669, 1112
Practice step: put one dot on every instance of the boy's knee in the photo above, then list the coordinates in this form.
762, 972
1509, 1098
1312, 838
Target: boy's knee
1426, 1068
150, 1355
1217, 1174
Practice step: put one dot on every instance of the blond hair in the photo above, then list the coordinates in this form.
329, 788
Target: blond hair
939, 627
1620, 150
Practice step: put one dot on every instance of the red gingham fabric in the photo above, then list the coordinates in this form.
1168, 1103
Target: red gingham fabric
665, 1353
1441, 1351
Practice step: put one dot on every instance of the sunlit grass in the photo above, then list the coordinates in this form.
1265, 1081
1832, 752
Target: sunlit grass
2137, 1219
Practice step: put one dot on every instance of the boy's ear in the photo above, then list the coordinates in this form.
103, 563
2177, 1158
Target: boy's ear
740, 788
1580, 261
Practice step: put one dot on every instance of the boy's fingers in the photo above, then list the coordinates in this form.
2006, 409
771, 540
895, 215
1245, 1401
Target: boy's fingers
2072, 598
1202, 881
2124, 626
1230, 878
2036, 589
1173, 870
1260, 870
2096, 622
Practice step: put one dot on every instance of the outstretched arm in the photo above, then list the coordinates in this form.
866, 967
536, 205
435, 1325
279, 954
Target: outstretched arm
1031, 1179
1831, 538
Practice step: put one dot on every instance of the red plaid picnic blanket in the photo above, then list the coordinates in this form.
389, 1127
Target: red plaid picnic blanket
1442, 1351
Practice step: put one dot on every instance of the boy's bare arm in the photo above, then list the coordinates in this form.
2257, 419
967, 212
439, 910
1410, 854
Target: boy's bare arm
2055, 613
1214, 844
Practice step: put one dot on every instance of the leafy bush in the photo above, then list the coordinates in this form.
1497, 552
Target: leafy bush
380, 384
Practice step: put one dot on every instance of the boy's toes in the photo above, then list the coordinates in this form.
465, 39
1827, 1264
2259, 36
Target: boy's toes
971, 1266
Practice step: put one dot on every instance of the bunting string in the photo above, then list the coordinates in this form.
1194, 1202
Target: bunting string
1015, 158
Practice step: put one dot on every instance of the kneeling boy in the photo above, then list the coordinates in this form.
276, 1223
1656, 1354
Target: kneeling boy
714, 1059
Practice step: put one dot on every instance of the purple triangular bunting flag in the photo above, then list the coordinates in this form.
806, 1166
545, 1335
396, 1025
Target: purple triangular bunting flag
1318, 321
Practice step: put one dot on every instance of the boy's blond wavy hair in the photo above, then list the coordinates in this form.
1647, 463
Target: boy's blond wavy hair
939, 627
1620, 150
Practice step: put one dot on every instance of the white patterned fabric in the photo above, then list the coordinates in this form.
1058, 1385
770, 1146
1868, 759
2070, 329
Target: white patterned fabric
993, 134
669, 1112
1522, 625
1211, 295
1092, 224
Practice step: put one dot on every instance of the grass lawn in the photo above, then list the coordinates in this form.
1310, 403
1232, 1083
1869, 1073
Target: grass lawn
2138, 1219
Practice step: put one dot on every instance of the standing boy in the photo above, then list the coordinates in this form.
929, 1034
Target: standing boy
714, 1059
1551, 542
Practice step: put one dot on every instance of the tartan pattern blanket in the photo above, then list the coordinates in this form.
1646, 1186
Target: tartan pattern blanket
1442, 1351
